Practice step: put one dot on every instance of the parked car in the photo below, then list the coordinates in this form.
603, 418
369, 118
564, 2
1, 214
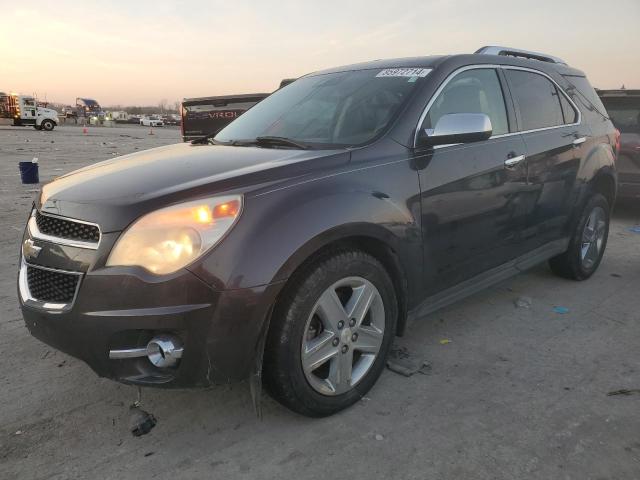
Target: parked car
623, 107
152, 121
294, 245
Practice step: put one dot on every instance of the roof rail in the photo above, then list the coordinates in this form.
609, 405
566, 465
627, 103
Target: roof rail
516, 52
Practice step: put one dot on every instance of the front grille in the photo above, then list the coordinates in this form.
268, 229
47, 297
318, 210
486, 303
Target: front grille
68, 229
50, 286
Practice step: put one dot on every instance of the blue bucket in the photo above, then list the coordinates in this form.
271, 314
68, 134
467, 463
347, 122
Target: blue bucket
29, 172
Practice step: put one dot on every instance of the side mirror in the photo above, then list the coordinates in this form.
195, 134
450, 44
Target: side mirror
457, 128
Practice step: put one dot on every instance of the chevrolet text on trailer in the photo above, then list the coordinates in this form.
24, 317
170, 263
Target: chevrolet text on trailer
291, 247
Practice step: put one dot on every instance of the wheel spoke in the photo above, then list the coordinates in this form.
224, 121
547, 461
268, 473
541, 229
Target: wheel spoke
318, 351
585, 250
339, 379
369, 339
331, 309
360, 301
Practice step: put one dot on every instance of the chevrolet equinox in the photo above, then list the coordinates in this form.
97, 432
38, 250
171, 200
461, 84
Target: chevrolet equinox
293, 245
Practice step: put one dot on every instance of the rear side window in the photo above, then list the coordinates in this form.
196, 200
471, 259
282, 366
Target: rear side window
584, 88
472, 91
537, 98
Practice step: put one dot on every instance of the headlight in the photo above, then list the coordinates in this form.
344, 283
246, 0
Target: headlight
168, 239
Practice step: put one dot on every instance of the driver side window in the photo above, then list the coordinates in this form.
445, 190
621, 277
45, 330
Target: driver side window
472, 91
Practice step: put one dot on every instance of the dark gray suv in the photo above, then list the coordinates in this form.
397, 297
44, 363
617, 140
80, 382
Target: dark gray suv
291, 247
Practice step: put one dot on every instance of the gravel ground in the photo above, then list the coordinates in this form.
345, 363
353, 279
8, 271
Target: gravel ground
517, 392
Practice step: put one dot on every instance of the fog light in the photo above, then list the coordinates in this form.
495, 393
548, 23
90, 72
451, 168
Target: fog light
164, 351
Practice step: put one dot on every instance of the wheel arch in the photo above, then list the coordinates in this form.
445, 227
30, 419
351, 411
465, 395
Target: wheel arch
371, 239
604, 183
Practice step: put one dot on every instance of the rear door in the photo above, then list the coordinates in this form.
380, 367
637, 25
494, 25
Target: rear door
556, 139
472, 203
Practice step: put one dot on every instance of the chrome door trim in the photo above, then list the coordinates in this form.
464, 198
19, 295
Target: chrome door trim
494, 66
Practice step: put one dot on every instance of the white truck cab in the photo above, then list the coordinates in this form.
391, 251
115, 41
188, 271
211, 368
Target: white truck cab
24, 110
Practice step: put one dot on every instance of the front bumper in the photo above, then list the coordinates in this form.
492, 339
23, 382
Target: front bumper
122, 307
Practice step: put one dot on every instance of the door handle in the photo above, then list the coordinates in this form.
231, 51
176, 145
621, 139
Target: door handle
579, 141
513, 161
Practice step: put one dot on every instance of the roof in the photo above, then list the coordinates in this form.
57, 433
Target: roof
434, 61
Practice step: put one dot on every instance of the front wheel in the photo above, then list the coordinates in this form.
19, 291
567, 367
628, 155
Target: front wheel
588, 242
330, 334
47, 125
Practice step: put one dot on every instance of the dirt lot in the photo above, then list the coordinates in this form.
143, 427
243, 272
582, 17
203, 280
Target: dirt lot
517, 393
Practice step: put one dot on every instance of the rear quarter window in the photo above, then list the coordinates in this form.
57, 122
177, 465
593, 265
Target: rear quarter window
584, 89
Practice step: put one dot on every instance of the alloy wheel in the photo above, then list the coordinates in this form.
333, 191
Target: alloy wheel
593, 237
343, 336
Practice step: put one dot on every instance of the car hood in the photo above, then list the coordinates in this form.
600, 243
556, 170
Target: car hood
115, 192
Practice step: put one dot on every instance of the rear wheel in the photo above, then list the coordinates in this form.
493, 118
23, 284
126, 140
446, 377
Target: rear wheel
330, 334
47, 125
588, 242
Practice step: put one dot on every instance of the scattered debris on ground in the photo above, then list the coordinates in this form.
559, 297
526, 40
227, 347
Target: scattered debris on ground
523, 302
560, 310
624, 391
402, 361
140, 421
444, 341
635, 229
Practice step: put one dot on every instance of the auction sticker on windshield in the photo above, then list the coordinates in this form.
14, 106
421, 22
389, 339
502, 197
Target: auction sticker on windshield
404, 72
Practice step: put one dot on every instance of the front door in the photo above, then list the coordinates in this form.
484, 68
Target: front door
474, 196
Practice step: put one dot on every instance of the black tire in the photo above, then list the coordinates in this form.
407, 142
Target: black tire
47, 125
37, 127
570, 264
284, 377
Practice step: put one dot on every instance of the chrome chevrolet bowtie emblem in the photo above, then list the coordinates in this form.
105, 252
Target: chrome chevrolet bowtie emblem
30, 250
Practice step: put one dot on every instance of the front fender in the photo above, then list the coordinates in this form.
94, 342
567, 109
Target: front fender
280, 229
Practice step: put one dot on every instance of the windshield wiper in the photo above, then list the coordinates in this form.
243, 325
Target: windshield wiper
284, 141
204, 138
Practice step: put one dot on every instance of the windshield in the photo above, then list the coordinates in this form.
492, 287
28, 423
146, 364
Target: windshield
624, 113
329, 110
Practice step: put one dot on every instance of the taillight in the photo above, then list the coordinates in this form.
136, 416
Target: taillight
617, 135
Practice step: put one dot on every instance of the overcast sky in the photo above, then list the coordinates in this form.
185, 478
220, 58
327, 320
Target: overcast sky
142, 51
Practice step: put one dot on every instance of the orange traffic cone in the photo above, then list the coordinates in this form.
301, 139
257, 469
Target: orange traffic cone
85, 130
